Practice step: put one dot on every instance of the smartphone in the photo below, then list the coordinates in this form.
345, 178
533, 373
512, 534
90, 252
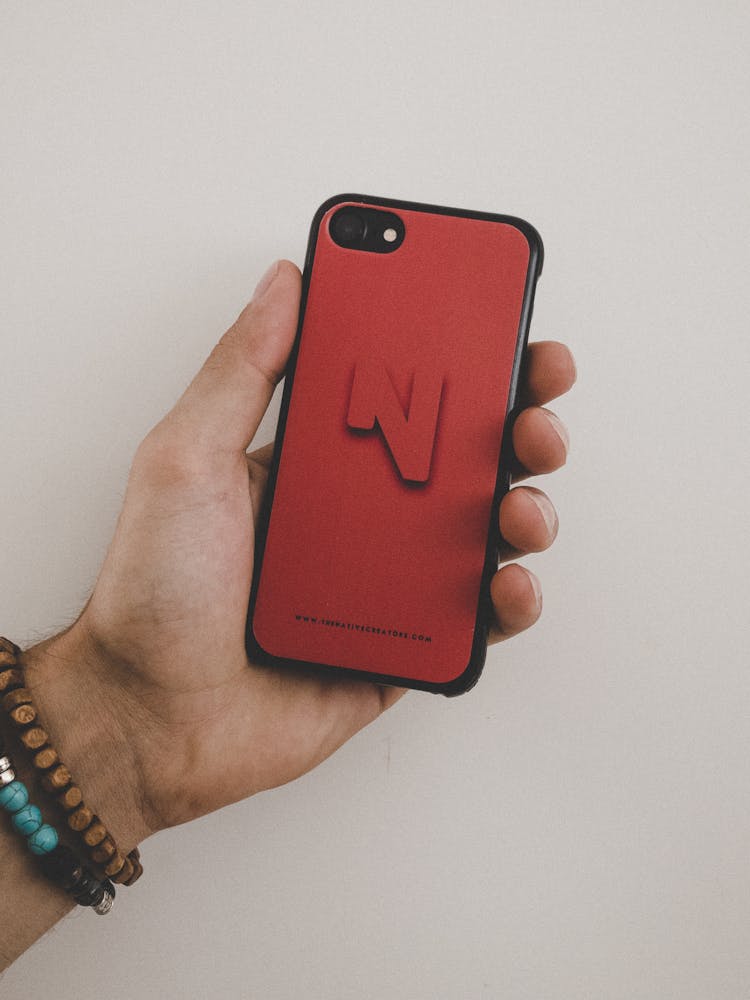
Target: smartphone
379, 533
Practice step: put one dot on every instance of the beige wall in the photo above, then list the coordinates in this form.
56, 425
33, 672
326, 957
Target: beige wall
578, 825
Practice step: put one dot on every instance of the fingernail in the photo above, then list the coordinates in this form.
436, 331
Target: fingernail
265, 282
547, 511
537, 587
560, 429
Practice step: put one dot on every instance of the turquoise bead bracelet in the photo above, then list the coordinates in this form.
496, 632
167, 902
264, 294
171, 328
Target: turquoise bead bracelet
41, 838
57, 860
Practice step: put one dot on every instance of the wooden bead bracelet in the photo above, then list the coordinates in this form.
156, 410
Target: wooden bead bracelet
56, 860
98, 843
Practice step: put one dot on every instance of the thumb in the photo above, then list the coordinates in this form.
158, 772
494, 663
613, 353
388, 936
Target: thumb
225, 402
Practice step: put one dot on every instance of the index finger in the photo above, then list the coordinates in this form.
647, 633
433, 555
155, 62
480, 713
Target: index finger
547, 372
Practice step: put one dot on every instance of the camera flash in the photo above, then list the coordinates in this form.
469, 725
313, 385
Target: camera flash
389, 235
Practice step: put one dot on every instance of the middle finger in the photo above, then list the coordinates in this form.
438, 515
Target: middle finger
540, 443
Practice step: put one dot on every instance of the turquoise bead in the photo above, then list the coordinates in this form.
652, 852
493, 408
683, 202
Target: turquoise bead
44, 840
14, 796
27, 820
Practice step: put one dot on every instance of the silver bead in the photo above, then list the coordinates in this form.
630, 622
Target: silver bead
7, 776
105, 905
5, 764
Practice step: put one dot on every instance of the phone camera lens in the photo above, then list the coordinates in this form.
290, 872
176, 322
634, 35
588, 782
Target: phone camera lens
348, 227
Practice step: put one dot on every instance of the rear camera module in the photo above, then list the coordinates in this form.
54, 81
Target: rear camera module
348, 227
366, 228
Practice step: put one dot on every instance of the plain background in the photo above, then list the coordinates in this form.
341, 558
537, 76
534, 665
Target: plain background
578, 826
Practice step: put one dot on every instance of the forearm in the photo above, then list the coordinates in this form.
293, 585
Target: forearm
59, 673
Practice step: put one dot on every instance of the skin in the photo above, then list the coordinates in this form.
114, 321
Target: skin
149, 696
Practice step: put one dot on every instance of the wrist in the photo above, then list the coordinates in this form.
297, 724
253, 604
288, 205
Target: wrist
79, 706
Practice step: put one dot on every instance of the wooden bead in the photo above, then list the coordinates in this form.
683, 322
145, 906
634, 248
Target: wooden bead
10, 678
45, 758
80, 818
103, 851
62, 867
56, 779
95, 833
137, 872
114, 865
7, 659
23, 715
9, 647
34, 738
124, 873
19, 696
71, 797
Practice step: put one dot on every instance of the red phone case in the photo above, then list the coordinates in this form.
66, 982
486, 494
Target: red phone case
378, 537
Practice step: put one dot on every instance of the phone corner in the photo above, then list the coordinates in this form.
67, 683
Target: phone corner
533, 239
253, 647
468, 677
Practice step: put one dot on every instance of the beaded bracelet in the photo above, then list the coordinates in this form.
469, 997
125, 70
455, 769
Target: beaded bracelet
98, 843
56, 860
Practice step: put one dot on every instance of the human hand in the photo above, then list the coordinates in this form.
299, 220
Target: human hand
149, 695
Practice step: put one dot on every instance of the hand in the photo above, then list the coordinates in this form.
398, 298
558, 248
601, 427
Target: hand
156, 661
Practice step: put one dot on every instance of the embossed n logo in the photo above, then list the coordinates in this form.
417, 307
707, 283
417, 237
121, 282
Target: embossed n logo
410, 439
